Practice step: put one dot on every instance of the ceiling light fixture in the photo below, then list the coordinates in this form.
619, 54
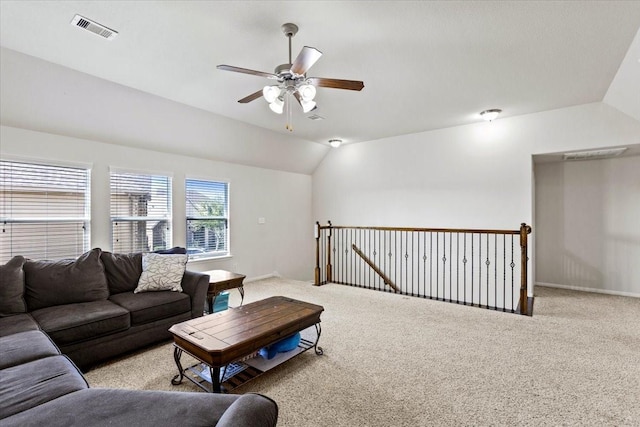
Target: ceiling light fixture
270, 93
490, 115
335, 143
300, 88
277, 106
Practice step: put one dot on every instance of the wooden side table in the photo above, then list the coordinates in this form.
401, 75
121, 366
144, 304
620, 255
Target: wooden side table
221, 280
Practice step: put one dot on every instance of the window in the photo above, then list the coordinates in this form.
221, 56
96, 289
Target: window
207, 218
140, 212
44, 211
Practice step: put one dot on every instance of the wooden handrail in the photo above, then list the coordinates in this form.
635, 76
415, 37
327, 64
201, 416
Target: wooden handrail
441, 230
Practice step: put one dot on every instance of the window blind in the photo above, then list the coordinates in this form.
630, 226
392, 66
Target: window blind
207, 218
44, 211
140, 212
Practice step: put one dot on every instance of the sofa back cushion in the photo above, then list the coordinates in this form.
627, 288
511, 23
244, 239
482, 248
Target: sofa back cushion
123, 271
12, 287
66, 281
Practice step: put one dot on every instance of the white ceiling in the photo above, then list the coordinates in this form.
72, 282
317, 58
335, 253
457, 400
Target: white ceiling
425, 65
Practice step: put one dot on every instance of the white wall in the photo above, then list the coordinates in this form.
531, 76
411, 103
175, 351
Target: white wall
588, 229
475, 176
284, 244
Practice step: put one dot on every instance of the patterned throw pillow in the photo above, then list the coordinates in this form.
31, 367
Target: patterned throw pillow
161, 273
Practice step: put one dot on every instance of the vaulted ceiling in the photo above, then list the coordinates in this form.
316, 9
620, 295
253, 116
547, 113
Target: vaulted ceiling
425, 65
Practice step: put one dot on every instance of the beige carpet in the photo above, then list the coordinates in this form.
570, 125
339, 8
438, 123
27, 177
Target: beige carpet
391, 360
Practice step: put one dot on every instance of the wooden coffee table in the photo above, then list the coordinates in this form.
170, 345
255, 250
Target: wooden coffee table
222, 280
219, 340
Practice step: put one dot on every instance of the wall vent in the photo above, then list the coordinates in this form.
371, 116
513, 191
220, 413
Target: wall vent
94, 27
594, 154
315, 117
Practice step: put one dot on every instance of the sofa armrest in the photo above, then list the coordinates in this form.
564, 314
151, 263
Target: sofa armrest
250, 410
196, 286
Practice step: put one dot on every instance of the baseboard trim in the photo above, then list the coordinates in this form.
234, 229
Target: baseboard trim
265, 276
585, 289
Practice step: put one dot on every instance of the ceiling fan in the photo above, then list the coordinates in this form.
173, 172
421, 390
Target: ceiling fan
292, 80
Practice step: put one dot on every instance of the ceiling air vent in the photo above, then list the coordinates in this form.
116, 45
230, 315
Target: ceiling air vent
94, 27
594, 154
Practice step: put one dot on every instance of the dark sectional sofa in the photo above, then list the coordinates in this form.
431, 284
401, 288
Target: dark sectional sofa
58, 315
88, 306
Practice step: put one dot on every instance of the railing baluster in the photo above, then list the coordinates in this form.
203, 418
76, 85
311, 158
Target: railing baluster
450, 266
504, 272
430, 265
424, 264
487, 263
495, 270
464, 261
472, 263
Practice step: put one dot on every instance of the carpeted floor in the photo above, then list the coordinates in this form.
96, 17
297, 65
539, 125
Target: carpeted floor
391, 360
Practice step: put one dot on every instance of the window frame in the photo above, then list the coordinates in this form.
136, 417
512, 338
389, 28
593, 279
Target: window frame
49, 251
133, 219
226, 218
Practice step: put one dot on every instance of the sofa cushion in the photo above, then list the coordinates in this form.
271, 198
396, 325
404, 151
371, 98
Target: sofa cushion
123, 271
17, 323
77, 322
28, 385
118, 407
25, 347
12, 287
50, 283
161, 272
250, 410
150, 306
173, 250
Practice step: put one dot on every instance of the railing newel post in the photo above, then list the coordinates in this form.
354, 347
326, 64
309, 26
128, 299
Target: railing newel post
524, 260
317, 269
329, 269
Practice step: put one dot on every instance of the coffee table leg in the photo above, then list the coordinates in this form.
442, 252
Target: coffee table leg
241, 290
177, 352
215, 379
316, 348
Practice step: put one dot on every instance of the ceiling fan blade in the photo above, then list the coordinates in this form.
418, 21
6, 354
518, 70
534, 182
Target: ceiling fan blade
251, 97
337, 83
246, 71
306, 58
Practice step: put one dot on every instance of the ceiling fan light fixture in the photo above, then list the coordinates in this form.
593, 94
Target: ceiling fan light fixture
490, 115
307, 105
270, 93
277, 106
307, 92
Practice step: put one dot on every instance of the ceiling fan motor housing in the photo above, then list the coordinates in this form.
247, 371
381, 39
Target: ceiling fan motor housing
289, 29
